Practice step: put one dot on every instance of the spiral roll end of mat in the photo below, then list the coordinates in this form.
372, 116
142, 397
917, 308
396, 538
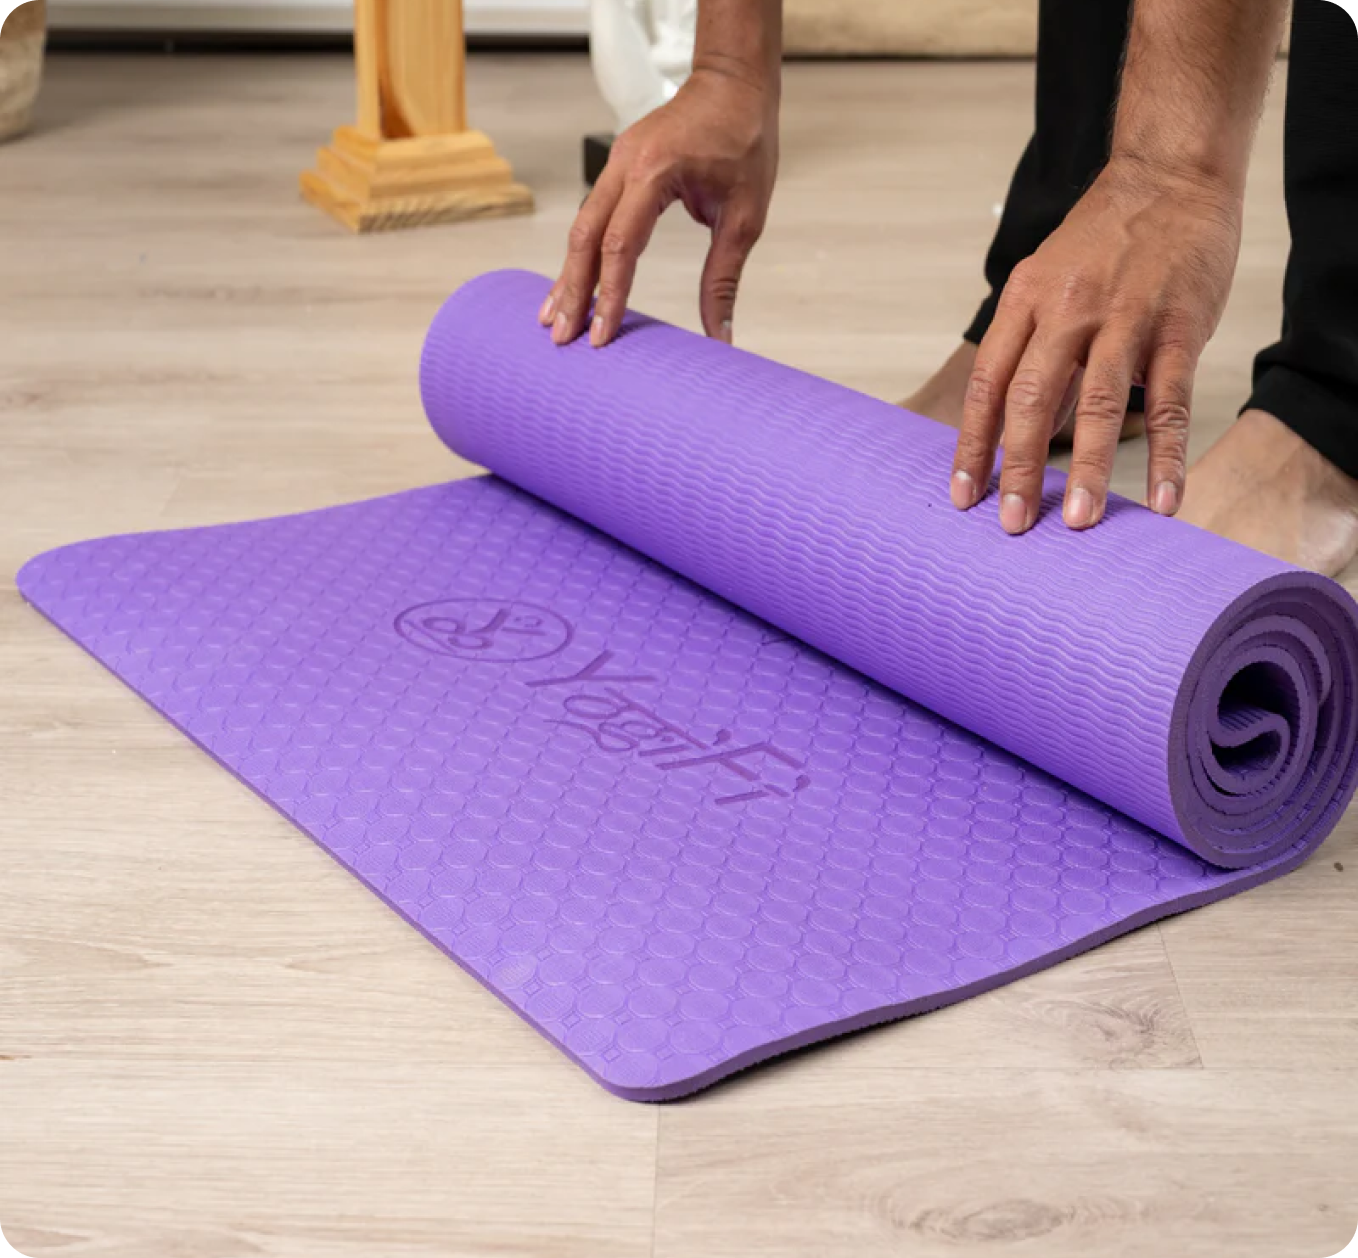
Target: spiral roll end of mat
1262, 743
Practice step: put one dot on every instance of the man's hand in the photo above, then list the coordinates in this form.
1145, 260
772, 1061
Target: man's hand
715, 148
1128, 290
1131, 286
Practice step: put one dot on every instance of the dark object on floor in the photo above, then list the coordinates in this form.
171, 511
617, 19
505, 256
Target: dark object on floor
597, 148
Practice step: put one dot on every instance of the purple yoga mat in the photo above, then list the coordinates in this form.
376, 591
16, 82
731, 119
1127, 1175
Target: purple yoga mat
707, 728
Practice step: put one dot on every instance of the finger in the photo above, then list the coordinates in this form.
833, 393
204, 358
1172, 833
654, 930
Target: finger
547, 311
575, 288
732, 239
627, 234
1064, 423
1032, 407
1169, 404
999, 355
1099, 412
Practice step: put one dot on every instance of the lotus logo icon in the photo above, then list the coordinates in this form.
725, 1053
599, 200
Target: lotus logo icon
489, 630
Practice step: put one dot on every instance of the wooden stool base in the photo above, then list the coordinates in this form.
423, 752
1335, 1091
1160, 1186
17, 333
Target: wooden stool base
375, 185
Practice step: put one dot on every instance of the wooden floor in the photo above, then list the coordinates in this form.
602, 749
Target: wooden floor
196, 1063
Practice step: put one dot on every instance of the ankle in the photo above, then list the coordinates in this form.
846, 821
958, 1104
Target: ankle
943, 396
1290, 455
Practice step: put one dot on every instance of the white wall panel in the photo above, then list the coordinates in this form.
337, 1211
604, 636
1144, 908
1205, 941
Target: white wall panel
483, 17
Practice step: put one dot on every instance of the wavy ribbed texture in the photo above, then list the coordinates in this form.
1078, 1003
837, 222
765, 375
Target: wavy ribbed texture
1202, 688
673, 837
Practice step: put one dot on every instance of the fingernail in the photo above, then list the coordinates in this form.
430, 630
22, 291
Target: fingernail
1079, 509
596, 331
724, 332
559, 328
1165, 500
1013, 514
962, 490
547, 310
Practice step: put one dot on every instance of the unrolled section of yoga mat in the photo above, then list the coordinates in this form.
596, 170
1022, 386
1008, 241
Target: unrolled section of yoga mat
672, 836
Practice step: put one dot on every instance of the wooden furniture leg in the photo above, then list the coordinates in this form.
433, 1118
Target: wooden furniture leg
23, 31
411, 159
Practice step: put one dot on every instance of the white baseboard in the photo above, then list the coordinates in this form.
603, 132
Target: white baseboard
482, 17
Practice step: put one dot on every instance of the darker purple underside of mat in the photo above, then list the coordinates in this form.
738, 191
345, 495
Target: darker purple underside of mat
670, 834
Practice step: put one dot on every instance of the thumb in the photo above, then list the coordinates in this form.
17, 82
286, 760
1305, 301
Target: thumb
732, 239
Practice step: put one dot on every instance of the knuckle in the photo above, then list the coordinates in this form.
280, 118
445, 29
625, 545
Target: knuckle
1015, 299
1169, 417
615, 244
723, 287
1101, 404
745, 231
649, 162
1016, 302
1023, 279
1075, 293
1030, 396
982, 392
581, 237
1078, 294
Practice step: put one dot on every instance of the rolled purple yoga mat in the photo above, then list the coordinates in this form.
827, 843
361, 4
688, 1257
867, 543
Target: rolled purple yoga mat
707, 728
1204, 689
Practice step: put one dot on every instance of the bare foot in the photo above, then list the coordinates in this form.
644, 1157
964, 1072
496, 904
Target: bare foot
943, 395
1262, 485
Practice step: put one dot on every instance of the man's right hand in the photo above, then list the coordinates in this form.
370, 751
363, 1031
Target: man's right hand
715, 148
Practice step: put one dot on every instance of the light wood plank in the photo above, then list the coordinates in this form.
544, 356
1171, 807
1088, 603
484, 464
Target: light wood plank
958, 1164
1270, 978
297, 1159
1116, 1008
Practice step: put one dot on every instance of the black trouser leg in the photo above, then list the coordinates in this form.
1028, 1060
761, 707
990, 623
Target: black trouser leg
1079, 60
1309, 379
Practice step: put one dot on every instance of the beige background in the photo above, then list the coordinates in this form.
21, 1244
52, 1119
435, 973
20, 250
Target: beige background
963, 28
930, 28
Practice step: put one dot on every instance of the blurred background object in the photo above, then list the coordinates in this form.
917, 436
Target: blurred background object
940, 28
411, 159
21, 49
641, 52
924, 28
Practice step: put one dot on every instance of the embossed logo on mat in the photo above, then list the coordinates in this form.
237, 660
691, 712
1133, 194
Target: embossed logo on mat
495, 631
598, 700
